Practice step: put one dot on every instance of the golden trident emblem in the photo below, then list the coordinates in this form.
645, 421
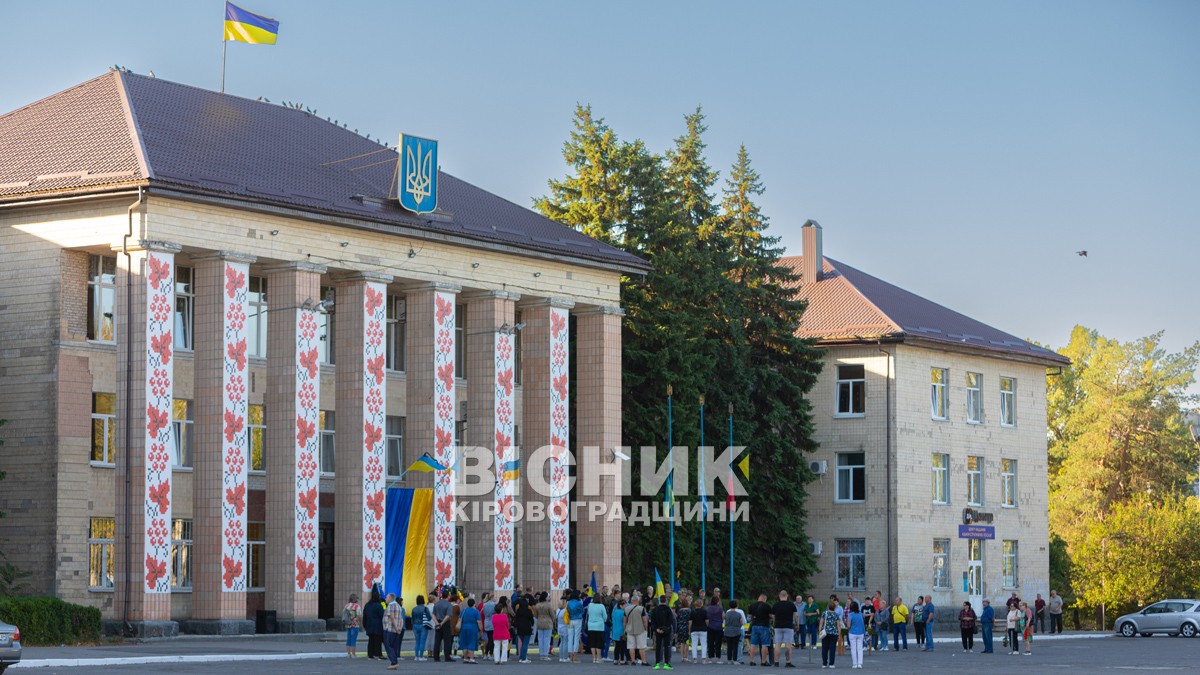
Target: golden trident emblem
418, 180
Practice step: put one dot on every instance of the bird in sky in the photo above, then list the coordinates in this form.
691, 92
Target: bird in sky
1081, 254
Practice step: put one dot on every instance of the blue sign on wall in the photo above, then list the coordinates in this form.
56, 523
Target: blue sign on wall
418, 179
976, 532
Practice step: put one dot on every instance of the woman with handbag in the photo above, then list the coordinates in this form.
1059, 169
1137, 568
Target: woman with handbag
422, 622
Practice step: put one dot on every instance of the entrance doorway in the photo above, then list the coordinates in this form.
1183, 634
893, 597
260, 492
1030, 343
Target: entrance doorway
975, 574
325, 571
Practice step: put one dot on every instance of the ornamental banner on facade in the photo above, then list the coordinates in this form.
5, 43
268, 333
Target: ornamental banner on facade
159, 432
236, 439
374, 445
560, 514
507, 463
443, 438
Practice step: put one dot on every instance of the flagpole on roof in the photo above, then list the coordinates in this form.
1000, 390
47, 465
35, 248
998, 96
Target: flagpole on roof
224, 47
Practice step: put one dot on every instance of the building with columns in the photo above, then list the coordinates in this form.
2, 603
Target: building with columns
222, 338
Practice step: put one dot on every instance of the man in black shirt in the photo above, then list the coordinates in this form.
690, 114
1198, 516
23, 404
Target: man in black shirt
760, 630
662, 622
785, 622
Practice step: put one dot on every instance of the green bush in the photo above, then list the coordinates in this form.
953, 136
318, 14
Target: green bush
50, 621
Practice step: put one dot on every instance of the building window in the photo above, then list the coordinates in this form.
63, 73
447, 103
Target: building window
185, 300
326, 331
102, 535
104, 429
328, 442
256, 422
102, 298
181, 554
256, 556
517, 347
256, 317
975, 481
397, 331
941, 563
1009, 555
460, 341
460, 432
937, 390
851, 390
395, 446
181, 420
851, 477
974, 398
1008, 401
941, 478
851, 563
1008, 482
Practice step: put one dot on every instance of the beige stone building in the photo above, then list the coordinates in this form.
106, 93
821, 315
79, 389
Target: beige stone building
931, 472
221, 338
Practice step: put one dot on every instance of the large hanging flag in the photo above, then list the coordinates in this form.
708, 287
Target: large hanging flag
248, 27
408, 515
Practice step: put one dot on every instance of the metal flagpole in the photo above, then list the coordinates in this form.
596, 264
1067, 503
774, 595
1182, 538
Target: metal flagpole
224, 46
671, 481
703, 506
731, 593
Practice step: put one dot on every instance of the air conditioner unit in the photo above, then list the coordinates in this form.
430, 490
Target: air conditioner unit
815, 545
819, 467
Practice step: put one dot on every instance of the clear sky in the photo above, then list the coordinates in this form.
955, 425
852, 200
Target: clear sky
962, 150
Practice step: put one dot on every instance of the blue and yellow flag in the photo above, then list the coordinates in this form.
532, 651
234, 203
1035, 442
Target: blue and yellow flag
426, 463
409, 512
512, 469
592, 588
659, 590
249, 27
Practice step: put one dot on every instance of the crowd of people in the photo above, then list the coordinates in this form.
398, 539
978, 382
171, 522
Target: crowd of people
636, 628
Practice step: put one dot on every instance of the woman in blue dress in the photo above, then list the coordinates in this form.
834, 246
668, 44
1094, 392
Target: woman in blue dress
470, 623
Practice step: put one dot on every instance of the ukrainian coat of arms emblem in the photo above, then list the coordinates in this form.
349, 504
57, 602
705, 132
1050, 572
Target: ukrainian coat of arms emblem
418, 175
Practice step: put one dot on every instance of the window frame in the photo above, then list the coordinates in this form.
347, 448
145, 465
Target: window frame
97, 285
257, 430
975, 481
108, 434
397, 333
327, 434
847, 583
940, 483
103, 548
850, 469
974, 398
1010, 555
849, 383
941, 564
1008, 483
398, 438
518, 321
181, 554
327, 328
460, 341
939, 397
1008, 402
184, 322
257, 309
182, 435
254, 544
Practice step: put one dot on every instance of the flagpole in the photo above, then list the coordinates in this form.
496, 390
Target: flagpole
731, 594
703, 505
671, 479
224, 46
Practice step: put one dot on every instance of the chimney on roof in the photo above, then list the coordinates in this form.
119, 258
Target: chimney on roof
814, 257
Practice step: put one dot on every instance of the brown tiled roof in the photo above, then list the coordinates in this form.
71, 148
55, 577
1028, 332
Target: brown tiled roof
847, 304
124, 129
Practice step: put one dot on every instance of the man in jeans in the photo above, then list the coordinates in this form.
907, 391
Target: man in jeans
1055, 607
928, 616
899, 624
1039, 613
442, 627
662, 623
986, 619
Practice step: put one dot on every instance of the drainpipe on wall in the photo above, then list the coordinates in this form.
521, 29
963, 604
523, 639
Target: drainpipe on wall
127, 423
887, 420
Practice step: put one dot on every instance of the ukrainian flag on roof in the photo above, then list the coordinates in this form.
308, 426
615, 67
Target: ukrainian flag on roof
249, 27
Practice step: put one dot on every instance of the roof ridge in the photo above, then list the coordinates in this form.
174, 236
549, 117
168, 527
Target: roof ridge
135, 130
896, 327
57, 93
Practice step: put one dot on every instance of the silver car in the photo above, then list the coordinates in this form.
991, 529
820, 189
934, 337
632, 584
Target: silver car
1173, 617
10, 645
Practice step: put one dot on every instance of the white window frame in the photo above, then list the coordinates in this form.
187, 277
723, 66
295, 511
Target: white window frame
1010, 561
181, 554
975, 481
974, 398
327, 328
941, 478
258, 430
460, 341
1008, 401
108, 433
848, 582
852, 385
182, 457
98, 283
394, 446
256, 555
327, 435
1008, 483
185, 305
397, 332
849, 470
100, 549
939, 399
941, 563
256, 317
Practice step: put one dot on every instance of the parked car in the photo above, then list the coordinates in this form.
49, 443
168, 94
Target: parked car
10, 645
1173, 617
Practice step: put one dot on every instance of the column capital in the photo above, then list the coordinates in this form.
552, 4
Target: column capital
443, 286
491, 295
149, 245
613, 310
226, 256
296, 266
559, 303
352, 277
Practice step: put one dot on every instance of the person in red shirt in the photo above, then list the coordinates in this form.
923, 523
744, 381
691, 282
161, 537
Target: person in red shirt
1039, 613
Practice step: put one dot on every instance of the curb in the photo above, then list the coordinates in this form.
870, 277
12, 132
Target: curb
142, 660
